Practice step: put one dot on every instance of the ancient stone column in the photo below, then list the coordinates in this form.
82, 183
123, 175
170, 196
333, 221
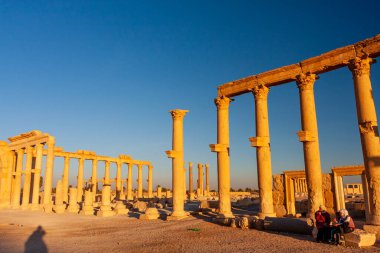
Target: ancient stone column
118, 180
129, 182
36, 178
27, 178
107, 173
6, 169
159, 192
191, 190
94, 178
59, 207
177, 164
73, 204
223, 154
88, 208
369, 133
47, 203
65, 179
122, 193
80, 179
200, 179
105, 209
184, 181
150, 181
207, 191
139, 182
17, 181
309, 137
263, 153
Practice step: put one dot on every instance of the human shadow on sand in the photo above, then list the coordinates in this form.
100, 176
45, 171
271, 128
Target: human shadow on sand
35, 242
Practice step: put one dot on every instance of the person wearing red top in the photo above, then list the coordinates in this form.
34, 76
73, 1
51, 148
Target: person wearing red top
322, 222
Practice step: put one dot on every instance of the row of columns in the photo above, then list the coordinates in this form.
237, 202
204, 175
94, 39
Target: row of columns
32, 173
107, 180
300, 185
368, 126
203, 188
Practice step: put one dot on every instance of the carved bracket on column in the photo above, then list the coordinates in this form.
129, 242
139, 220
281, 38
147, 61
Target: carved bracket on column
306, 136
260, 141
171, 153
219, 147
369, 127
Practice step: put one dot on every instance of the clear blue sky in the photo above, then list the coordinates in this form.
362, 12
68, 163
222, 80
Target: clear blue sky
102, 76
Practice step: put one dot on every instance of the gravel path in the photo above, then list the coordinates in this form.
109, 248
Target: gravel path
76, 233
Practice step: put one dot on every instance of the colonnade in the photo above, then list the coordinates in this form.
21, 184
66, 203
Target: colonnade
203, 181
30, 146
357, 58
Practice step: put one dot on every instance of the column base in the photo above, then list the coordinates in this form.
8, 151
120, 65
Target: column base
5, 205
372, 229
87, 210
59, 208
15, 206
25, 207
34, 207
105, 211
178, 215
73, 209
48, 208
263, 215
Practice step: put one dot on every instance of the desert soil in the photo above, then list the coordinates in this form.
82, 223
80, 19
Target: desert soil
75, 233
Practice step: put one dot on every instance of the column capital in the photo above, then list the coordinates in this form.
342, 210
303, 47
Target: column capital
260, 92
306, 81
190, 164
360, 66
29, 149
222, 103
178, 113
200, 165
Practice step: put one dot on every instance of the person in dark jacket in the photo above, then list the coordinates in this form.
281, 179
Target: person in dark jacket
322, 222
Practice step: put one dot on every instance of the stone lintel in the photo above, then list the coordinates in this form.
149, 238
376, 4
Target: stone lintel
26, 135
259, 141
171, 153
369, 47
348, 170
325, 62
218, 147
86, 152
306, 136
328, 61
125, 157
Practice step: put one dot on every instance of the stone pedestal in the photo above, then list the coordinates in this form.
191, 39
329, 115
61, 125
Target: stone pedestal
73, 204
120, 208
59, 207
88, 205
151, 213
105, 209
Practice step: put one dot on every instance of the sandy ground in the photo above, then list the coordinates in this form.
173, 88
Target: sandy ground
19, 232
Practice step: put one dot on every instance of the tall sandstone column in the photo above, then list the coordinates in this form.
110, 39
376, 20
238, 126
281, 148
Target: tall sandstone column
36, 178
94, 178
27, 178
80, 180
263, 153
191, 190
107, 173
118, 180
207, 191
129, 182
309, 137
369, 134
139, 181
17, 181
177, 164
65, 180
222, 148
48, 205
200, 179
150, 181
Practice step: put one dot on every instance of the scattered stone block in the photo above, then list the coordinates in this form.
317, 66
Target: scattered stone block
359, 238
151, 213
